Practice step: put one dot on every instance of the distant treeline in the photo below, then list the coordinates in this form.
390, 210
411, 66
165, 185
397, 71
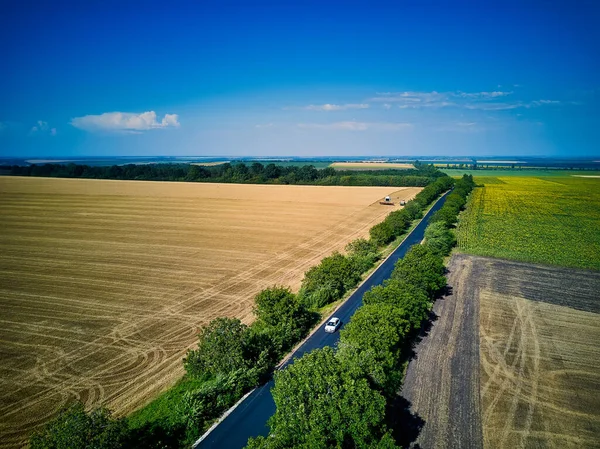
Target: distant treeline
255, 173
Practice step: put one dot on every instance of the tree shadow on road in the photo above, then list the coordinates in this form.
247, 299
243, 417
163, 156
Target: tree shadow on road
404, 424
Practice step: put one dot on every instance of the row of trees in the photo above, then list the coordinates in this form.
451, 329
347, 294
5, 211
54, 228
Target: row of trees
231, 358
341, 398
255, 173
397, 222
345, 397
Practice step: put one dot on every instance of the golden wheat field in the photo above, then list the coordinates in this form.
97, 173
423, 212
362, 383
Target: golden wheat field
104, 284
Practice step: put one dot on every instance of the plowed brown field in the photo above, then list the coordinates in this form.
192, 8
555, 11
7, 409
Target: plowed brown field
512, 359
442, 380
104, 284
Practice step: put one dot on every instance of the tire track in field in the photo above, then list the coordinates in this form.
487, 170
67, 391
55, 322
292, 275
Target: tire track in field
539, 357
176, 311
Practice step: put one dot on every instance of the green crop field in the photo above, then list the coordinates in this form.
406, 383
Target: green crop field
553, 220
524, 172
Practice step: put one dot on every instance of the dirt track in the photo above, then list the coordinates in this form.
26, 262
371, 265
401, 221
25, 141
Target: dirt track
442, 381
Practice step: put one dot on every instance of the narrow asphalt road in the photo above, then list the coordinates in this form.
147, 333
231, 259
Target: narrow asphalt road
250, 418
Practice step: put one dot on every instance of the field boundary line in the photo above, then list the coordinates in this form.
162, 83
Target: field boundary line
315, 329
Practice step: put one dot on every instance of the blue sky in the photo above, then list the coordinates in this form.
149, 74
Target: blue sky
300, 78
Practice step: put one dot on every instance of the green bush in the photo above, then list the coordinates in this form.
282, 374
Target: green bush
328, 281
208, 402
382, 233
74, 428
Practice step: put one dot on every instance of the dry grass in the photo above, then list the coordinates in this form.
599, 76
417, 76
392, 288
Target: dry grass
104, 284
369, 165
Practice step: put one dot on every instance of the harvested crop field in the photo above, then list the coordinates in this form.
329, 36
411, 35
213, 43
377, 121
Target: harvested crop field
370, 166
104, 284
540, 355
524, 370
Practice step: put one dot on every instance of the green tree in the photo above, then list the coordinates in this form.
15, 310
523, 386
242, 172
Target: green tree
361, 247
413, 210
398, 221
273, 304
285, 319
320, 405
423, 268
382, 233
363, 253
407, 297
370, 345
220, 349
439, 238
74, 428
328, 281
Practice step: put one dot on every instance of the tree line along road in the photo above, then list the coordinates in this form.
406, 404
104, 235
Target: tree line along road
249, 418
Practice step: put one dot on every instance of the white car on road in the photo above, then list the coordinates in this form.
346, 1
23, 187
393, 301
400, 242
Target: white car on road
332, 325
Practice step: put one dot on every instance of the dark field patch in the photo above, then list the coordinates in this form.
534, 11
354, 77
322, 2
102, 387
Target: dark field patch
575, 288
442, 381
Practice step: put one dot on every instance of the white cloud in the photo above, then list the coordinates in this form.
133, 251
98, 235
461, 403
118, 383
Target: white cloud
483, 95
335, 107
265, 125
357, 126
125, 122
462, 127
517, 104
542, 102
487, 101
414, 98
387, 106
493, 106
40, 126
